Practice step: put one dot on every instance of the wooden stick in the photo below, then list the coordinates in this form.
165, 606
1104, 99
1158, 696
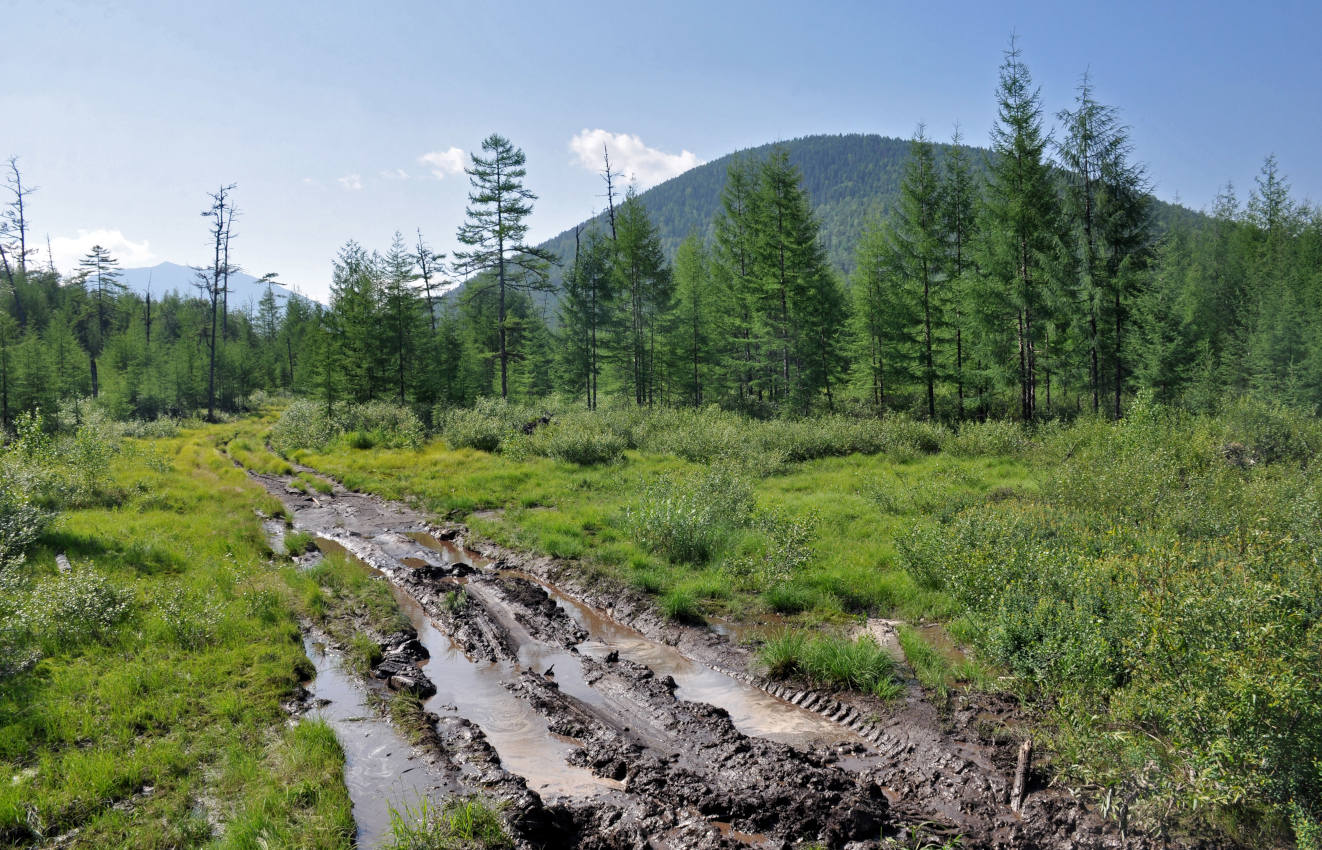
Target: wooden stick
1021, 774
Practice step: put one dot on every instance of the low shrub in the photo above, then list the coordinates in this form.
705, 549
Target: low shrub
688, 520
308, 424
582, 440
991, 438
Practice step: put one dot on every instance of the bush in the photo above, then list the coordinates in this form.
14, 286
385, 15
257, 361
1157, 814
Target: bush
67, 610
21, 523
1164, 600
308, 424
993, 437
579, 438
690, 520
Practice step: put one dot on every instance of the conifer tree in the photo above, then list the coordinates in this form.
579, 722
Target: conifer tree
586, 316
100, 274
919, 250
496, 225
1020, 232
645, 288
733, 273
959, 196
694, 311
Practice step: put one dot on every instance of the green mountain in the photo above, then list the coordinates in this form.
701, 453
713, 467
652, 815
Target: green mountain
849, 177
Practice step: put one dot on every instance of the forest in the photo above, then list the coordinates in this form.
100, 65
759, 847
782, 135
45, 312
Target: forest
965, 455
1034, 281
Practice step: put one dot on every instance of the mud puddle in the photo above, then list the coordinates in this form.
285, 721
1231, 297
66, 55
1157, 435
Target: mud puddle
594, 724
478, 691
753, 711
380, 768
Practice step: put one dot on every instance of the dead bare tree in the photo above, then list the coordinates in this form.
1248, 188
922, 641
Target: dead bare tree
14, 225
430, 264
226, 268
219, 213
609, 176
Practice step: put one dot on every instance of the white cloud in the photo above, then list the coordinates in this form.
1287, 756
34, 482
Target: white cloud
630, 157
68, 250
395, 174
350, 181
444, 162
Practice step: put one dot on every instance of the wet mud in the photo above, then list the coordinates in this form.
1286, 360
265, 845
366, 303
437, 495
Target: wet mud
595, 723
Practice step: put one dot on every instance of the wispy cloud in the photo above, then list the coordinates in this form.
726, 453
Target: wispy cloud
68, 250
443, 163
630, 157
395, 174
352, 182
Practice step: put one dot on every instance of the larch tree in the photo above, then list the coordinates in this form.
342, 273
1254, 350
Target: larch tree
586, 315
496, 225
646, 289
695, 310
431, 273
919, 250
732, 272
218, 215
1020, 227
1106, 203
959, 197
100, 273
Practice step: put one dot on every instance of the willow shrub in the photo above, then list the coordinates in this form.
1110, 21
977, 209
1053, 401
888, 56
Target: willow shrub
309, 424
1168, 602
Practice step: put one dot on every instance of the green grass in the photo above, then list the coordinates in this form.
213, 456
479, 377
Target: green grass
855, 507
1154, 600
832, 660
131, 726
465, 823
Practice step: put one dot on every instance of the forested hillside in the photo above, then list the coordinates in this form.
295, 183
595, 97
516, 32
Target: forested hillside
1036, 279
849, 178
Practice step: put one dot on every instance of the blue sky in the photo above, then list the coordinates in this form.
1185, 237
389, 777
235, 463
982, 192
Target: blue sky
324, 114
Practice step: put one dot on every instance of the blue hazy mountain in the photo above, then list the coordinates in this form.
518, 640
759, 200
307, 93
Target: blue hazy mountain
245, 289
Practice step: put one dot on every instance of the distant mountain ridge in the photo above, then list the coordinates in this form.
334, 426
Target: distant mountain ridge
849, 178
166, 277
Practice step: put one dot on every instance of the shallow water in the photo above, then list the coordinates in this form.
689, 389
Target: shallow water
380, 769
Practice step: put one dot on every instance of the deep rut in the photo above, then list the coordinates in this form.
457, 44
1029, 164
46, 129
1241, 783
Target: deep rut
598, 724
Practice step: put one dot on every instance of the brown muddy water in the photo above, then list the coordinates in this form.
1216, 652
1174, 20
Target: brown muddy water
380, 768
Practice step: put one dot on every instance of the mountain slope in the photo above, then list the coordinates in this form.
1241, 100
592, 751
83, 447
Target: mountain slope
245, 290
849, 179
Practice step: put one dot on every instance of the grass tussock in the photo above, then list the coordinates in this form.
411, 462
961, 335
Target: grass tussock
466, 823
829, 659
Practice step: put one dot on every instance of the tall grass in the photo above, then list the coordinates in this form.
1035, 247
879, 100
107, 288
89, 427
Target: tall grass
467, 823
831, 659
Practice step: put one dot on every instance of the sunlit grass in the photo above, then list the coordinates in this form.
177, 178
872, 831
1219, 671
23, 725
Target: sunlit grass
120, 732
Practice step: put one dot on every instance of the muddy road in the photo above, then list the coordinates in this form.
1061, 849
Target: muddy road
594, 723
